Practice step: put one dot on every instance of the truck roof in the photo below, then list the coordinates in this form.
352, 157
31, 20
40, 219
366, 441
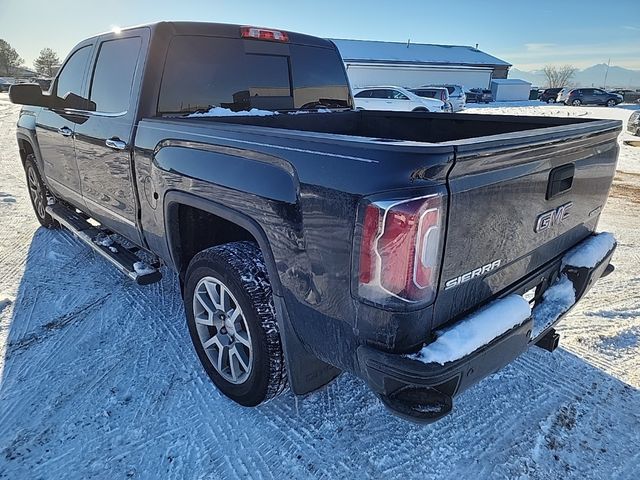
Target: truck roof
227, 30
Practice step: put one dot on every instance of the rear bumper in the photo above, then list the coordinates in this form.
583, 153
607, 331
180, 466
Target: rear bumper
423, 392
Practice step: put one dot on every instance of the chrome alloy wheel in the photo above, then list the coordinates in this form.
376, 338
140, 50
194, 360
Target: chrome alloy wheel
35, 191
222, 330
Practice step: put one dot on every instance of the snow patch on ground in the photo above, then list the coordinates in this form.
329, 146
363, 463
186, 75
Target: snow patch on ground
475, 331
590, 252
98, 379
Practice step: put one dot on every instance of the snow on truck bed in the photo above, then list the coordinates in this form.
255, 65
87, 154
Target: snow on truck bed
98, 379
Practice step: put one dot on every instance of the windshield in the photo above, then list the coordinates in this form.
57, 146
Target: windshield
206, 72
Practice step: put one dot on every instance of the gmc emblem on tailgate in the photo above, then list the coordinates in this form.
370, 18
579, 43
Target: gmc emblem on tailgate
553, 217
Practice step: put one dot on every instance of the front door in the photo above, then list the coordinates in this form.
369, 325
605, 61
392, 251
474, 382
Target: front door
104, 140
55, 128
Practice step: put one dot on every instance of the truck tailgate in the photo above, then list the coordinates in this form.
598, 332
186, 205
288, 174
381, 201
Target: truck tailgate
516, 202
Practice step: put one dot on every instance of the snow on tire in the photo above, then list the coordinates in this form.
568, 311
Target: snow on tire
232, 322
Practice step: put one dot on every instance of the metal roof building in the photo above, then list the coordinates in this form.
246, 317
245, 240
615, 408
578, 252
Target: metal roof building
413, 64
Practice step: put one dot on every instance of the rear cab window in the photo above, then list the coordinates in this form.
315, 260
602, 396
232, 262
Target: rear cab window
203, 72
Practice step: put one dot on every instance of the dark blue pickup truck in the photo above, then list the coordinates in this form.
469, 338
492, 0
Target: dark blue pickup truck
420, 252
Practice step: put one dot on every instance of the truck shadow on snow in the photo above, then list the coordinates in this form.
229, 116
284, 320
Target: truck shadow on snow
99, 378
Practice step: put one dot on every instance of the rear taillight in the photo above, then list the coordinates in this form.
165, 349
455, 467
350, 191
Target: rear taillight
264, 34
400, 249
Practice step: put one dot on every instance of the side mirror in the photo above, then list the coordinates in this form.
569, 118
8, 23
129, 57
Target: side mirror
76, 102
28, 94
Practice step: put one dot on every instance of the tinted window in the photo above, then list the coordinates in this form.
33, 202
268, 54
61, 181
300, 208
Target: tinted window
363, 94
71, 75
380, 93
396, 95
113, 74
426, 93
205, 72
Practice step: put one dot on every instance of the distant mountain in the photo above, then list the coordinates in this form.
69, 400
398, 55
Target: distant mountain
589, 77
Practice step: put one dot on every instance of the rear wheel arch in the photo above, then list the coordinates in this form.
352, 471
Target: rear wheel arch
223, 224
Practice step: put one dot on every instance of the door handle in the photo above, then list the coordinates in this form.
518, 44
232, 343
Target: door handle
115, 143
560, 180
65, 131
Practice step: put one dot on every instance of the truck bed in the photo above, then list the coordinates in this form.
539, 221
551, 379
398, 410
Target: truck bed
402, 126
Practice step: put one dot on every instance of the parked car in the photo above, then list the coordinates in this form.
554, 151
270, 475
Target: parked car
633, 125
337, 240
457, 96
396, 99
44, 83
592, 96
479, 95
549, 95
563, 94
439, 93
628, 96
4, 85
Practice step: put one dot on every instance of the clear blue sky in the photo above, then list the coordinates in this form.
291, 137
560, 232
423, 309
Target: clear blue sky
528, 34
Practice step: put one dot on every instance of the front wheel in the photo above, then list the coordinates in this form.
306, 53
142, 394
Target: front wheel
611, 103
232, 323
38, 193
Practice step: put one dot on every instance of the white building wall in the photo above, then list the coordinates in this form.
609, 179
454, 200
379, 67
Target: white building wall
505, 92
363, 75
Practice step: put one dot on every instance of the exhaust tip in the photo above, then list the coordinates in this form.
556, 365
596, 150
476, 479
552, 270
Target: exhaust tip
418, 404
550, 341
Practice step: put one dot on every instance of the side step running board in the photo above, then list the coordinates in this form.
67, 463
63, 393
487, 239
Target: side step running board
120, 257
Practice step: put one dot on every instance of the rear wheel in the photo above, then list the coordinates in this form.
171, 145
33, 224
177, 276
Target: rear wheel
576, 103
551, 100
231, 319
38, 193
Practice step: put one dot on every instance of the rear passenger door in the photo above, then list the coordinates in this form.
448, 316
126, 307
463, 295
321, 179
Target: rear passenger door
599, 97
104, 140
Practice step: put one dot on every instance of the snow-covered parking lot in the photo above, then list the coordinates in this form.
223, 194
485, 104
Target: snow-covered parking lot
98, 378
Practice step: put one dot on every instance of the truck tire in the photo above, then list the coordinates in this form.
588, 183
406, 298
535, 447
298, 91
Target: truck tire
232, 322
38, 193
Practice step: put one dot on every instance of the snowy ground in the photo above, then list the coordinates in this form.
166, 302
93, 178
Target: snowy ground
98, 378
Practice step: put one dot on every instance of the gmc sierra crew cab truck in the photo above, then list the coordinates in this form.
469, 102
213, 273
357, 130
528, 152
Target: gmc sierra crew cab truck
420, 252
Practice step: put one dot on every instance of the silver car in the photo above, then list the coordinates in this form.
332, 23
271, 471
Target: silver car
633, 126
457, 97
563, 95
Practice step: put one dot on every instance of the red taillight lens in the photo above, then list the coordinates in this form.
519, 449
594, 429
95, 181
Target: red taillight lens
400, 250
264, 34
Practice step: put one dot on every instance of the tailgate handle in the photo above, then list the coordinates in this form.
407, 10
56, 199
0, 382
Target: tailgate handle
560, 180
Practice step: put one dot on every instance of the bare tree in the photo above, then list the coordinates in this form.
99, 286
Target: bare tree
47, 62
9, 58
558, 77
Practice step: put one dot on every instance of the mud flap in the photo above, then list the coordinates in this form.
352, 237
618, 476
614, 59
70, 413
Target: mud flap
306, 372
